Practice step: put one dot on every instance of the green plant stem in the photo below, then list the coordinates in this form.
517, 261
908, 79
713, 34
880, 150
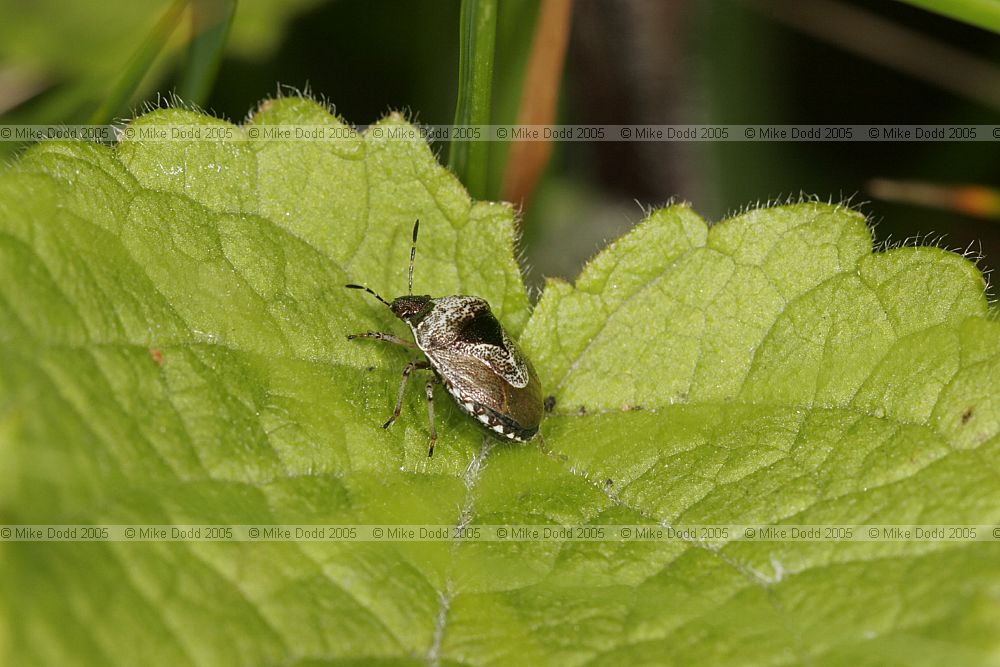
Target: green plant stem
139, 64
211, 21
478, 27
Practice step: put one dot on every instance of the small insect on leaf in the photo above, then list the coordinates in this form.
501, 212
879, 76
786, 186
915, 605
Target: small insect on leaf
467, 349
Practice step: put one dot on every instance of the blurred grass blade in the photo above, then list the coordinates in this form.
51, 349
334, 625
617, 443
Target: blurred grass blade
539, 99
516, 21
980, 201
18, 85
211, 21
139, 65
870, 36
478, 27
981, 13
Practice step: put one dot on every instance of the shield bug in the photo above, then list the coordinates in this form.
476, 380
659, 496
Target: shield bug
468, 350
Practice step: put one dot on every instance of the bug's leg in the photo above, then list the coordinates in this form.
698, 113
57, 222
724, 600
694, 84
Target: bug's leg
429, 389
387, 337
402, 389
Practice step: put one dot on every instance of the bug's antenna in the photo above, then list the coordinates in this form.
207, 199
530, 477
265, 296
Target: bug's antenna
370, 291
413, 252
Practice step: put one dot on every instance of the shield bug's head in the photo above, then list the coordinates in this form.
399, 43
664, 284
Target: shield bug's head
411, 309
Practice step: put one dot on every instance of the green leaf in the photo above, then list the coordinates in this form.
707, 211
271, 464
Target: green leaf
173, 321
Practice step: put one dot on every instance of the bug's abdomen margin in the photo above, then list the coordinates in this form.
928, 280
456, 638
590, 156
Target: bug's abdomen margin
497, 422
512, 412
493, 420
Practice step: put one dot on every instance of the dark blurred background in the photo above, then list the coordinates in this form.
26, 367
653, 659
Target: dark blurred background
628, 61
